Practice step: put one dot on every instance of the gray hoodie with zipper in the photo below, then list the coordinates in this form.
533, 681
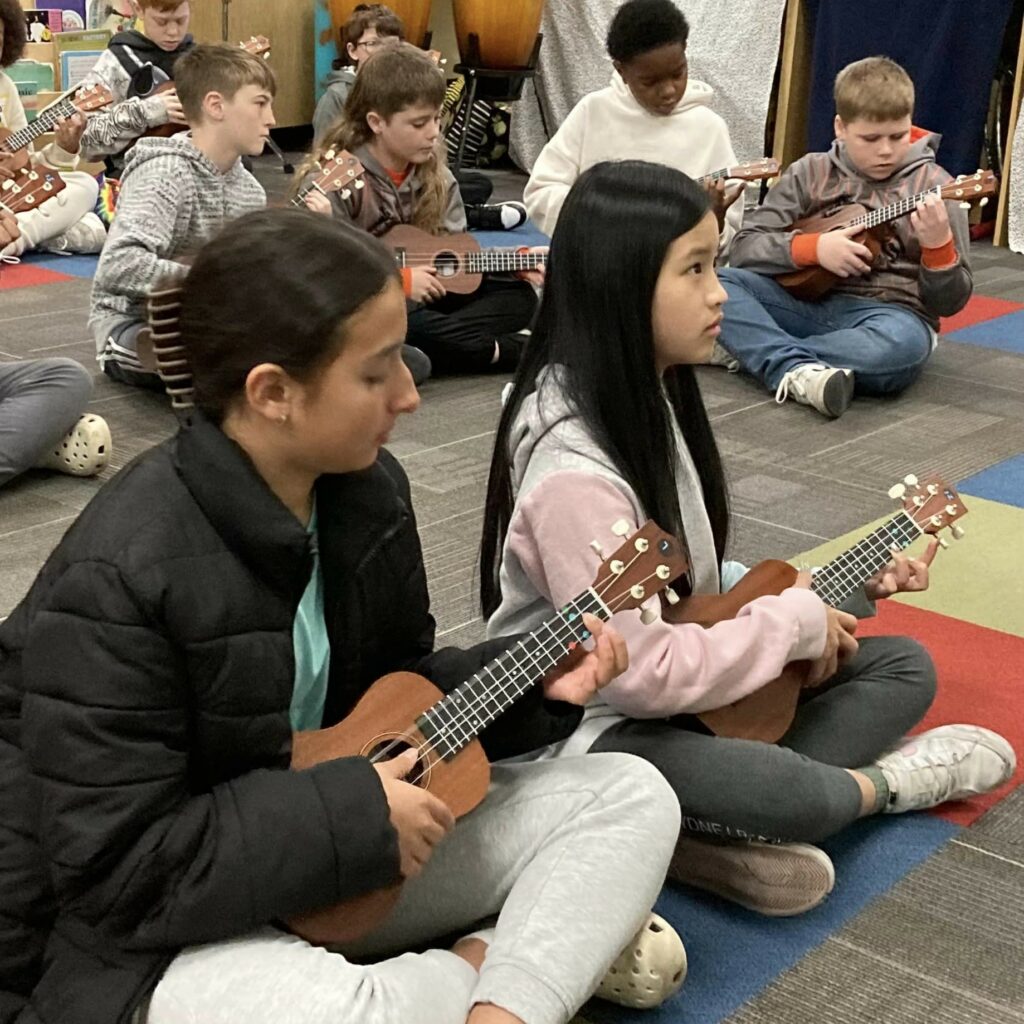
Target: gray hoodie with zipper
816, 183
173, 199
332, 104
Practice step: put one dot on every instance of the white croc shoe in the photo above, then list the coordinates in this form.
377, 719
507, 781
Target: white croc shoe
83, 451
649, 970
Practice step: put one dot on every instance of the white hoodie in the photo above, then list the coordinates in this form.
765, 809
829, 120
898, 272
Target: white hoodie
610, 125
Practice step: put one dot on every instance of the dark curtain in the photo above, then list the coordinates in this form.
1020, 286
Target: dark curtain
949, 48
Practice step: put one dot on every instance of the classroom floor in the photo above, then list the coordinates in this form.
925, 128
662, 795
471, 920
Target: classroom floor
926, 920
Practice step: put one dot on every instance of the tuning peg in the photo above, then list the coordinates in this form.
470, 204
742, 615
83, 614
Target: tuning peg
620, 527
595, 546
910, 480
648, 615
897, 491
943, 543
671, 596
957, 530
983, 201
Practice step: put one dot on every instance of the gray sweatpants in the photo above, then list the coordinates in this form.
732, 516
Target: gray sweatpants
570, 854
40, 401
796, 790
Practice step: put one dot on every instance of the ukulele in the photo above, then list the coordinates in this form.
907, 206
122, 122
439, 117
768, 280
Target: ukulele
458, 259
810, 283
333, 172
258, 46
927, 507
756, 171
403, 710
15, 144
29, 189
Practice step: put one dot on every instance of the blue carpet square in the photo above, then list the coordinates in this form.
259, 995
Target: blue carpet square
733, 954
1002, 482
525, 234
1002, 332
75, 266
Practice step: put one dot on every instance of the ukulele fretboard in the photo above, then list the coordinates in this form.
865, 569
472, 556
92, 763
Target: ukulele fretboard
895, 210
44, 123
458, 719
844, 575
494, 261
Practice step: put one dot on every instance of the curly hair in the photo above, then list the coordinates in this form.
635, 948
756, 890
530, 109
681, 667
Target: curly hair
643, 25
15, 32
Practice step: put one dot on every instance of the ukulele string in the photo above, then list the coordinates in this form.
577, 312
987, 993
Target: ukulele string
613, 605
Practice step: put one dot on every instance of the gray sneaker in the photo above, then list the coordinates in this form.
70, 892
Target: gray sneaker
775, 879
825, 388
948, 763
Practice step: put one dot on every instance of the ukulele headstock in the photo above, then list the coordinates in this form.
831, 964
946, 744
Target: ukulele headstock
932, 503
95, 97
971, 188
755, 171
644, 565
338, 171
29, 188
258, 46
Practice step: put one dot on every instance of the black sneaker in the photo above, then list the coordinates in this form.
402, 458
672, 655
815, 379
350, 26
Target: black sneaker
510, 351
417, 362
496, 216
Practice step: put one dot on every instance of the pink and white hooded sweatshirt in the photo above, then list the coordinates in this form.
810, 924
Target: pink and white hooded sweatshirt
567, 493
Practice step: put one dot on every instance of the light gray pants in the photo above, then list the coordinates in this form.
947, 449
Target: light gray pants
40, 401
570, 854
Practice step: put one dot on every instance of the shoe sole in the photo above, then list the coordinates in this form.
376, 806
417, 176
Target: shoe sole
838, 394
776, 881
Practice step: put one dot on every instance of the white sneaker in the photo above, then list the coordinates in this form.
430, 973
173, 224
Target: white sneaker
948, 763
721, 356
825, 388
87, 236
83, 451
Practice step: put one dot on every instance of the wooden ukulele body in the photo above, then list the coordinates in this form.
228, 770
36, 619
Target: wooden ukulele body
386, 713
19, 158
812, 283
446, 253
767, 713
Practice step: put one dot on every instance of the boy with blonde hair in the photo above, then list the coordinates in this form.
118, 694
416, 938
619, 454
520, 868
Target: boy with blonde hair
176, 192
873, 332
133, 68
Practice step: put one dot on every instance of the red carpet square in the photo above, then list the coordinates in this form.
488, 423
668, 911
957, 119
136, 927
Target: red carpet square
980, 681
23, 275
979, 308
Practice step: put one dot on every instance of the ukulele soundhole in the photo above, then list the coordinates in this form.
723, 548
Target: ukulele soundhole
387, 747
447, 264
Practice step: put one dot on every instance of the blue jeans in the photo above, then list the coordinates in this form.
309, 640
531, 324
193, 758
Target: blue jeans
771, 333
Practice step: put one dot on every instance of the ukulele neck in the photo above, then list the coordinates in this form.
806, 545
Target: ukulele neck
463, 714
712, 176
895, 210
845, 575
45, 122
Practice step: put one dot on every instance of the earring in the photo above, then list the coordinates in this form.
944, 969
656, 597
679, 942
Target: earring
283, 418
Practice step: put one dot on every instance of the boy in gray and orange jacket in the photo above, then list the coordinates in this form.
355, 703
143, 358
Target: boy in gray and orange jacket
873, 332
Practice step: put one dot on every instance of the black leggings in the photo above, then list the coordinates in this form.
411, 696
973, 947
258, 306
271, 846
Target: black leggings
458, 332
796, 790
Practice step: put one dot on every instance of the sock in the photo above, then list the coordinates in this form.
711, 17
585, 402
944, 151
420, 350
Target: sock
879, 781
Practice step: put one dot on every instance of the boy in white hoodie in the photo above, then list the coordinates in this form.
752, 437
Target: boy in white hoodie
651, 111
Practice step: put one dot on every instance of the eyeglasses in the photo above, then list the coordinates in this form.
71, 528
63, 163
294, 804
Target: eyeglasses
370, 44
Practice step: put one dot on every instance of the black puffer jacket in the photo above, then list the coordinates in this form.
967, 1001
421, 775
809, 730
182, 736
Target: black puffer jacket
145, 682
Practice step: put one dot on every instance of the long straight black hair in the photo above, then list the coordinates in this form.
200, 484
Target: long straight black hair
595, 322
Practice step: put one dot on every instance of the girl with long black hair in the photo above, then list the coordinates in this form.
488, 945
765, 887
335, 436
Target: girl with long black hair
605, 422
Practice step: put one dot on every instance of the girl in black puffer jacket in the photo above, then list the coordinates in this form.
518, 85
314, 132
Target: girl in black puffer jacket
248, 579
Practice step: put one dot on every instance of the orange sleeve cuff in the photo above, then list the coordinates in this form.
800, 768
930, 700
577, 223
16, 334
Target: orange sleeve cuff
805, 249
406, 273
942, 257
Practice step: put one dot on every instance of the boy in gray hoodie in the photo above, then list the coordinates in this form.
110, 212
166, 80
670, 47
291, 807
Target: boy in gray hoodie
176, 193
873, 332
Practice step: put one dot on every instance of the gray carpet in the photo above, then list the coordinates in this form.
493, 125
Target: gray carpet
942, 947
